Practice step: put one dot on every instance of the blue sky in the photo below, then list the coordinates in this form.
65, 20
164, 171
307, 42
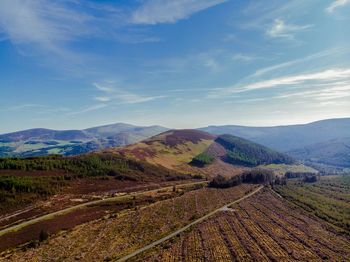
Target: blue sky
178, 63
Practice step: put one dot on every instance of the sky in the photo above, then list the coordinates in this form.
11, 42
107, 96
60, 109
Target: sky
73, 64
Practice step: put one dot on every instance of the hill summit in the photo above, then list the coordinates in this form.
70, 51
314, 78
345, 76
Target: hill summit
197, 151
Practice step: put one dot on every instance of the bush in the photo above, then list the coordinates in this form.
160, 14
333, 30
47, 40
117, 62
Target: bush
43, 235
202, 160
310, 179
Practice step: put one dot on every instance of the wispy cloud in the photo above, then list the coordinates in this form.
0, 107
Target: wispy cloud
23, 107
321, 93
43, 24
113, 93
280, 29
337, 77
326, 75
336, 4
34, 108
169, 11
102, 98
243, 57
323, 54
88, 109
103, 88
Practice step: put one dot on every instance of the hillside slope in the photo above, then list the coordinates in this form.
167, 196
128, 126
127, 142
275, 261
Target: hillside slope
193, 151
286, 138
240, 151
171, 149
335, 152
36, 142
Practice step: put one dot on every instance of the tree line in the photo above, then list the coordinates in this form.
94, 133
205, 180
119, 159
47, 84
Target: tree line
254, 176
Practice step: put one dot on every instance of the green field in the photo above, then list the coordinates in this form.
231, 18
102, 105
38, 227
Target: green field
281, 169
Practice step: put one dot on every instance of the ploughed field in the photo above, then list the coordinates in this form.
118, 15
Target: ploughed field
117, 235
267, 227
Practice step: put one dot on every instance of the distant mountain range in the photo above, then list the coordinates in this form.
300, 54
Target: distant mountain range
324, 142
39, 141
334, 152
286, 138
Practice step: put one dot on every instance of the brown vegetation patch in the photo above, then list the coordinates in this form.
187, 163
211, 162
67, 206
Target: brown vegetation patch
114, 237
216, 150
222, 168
188, 135
263, 227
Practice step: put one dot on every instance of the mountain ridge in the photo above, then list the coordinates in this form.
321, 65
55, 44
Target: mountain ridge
42, 141
288, 137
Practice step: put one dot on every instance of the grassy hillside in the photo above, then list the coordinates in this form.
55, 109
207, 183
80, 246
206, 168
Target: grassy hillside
193, 151
243, 152
172, 149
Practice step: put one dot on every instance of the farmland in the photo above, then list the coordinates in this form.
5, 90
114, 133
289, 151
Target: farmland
264, 227
120, 234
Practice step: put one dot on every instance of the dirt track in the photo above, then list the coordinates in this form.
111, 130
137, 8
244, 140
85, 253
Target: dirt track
79, 206
199, 220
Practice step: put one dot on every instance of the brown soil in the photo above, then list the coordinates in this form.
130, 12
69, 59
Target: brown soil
80, 216
188, 135
85, 190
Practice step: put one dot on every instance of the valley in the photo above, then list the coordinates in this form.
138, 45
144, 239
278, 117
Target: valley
174, 131
182, 195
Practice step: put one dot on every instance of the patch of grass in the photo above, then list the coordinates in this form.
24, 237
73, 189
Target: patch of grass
202, 160
282, 169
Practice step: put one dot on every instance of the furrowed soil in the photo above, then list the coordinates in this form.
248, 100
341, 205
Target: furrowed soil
89, 212
115, 236
264, 227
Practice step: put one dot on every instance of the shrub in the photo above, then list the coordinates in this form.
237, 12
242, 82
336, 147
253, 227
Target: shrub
43, 235
202, 160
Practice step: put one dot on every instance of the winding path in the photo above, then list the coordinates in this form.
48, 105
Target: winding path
199, 220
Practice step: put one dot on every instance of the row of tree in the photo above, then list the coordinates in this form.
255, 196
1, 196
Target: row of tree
254, 176
307, 177
262, 176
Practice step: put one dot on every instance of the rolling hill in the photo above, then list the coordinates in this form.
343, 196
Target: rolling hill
322, 144
194, 151
334, 152
287, 138
36, 142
